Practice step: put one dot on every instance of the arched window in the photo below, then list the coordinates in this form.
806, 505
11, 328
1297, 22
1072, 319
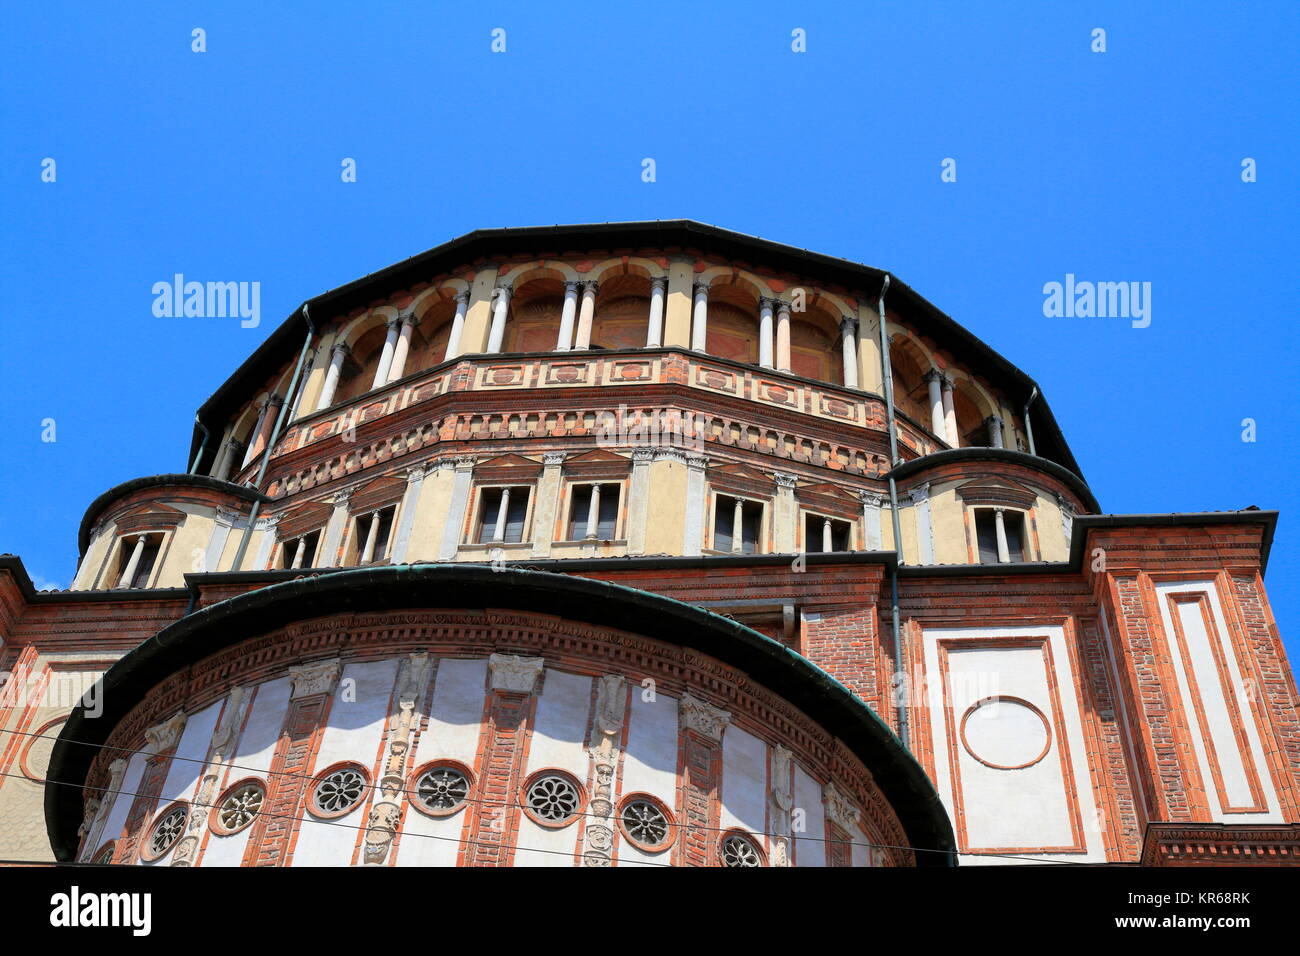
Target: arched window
534, 321
434, 332
911, 394
733, 324
815, 347
622, 310
359, 368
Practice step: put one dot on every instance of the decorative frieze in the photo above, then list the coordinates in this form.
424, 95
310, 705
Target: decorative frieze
386, 811
513, 674
705, 719
603, 748
311, 679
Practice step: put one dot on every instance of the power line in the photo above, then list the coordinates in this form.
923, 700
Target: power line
508, 803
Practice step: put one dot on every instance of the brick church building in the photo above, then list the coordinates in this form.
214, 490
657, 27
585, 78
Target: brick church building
641, 544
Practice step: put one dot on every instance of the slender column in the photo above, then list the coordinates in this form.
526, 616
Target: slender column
1004, 552
937, 424
499, 532
299, 551
737, 528
368, 553
765, 334
251, 451
950, 413
700, 318
655, 326
500, 308
565, 340
994, 425
132, 563
783, 336
403, 349
337, 355
296, 411
871, 504
586, 315
593, 512
457, 325
226, 460
849, 345
386, 356
826, 535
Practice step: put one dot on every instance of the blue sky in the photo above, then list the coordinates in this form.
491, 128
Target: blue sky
224, 165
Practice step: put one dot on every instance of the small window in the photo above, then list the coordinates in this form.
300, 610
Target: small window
300, 552
986, 534
501, 515
167, 831
646, 823
238, 808
373, 532
739, 850
825, 534
726, 536
339, 790
136, 559
441, 789
593, 513
552, 798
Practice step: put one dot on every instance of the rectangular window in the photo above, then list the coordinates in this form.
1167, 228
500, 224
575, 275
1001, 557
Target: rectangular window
726, 536
986, 534
300, 552
502, 513
598, 523
371, 535
146, 556
825, 534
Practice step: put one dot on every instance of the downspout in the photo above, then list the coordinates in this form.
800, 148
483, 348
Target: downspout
904, 733
1029, 429
290, 401
202, 445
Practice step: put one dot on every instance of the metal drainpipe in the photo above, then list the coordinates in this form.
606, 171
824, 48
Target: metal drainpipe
202, 445
1029, 429
904, 729
290, 396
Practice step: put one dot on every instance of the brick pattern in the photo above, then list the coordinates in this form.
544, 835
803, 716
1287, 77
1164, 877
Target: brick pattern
700, 774
499, 768
142, 807
270, 842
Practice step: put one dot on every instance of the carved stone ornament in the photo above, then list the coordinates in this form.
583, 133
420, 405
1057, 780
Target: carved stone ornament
165, 736
517, 675
605, 738
705, 719
782, 797
840, 808
311, 679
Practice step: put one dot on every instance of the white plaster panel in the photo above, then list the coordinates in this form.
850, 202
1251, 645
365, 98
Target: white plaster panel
431, 841
650, 759
122, 801
356, 727
262, 728
744, 781
1201, 666
543, 846
560, 726
191, 753
810, 845
455, 713
1012, 809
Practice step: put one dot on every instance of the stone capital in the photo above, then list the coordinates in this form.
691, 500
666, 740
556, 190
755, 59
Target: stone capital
311, 679
920, 493
642, 455
552, 458
461, 297
840, 808
848, 325
514, 674
341, 350
697, 462
934, 375
705, 719
466, 463
165, 736
766, 302
783, 308
872, 499
700, 288
572, 286
784, 481
659, 282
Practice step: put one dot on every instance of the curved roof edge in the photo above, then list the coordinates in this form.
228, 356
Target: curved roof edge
280, 346
935, 459
157, 481
797, 680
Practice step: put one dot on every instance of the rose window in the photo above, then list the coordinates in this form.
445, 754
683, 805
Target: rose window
738, 851
442, 788
553, 798
340, 791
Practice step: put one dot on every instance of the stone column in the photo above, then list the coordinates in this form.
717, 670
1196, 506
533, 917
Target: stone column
128, 573
567, 314
462, 483
693, 530
827, 543
638, 491
593, 513
783, 336
403, 350
457, 325
401, 534
737, 526
781, 802
1004, 551
333, 536
503, 509
1067, 519
500, 309
785, 514
586, 315
700, 317
920, 496
655, 325
603, 747
226, 459
386, 356
933, 378
337, 356
994, 425
765, 334
255, 435
386, 812
950, 413
849, 347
